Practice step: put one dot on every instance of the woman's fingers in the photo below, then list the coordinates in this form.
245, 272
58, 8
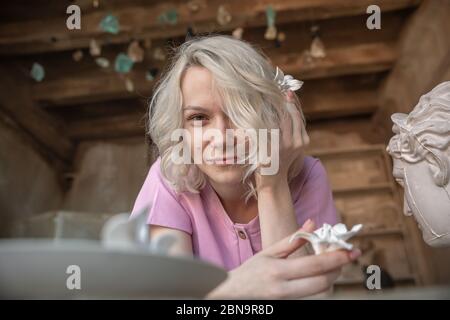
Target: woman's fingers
296, 124
299, 288
316, 265
293, 137
286, 128
284, 248
304, 135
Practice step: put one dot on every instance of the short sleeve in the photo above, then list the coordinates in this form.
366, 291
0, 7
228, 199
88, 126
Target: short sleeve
165, 207
315, 200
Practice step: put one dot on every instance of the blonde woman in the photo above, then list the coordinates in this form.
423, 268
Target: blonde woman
221, 211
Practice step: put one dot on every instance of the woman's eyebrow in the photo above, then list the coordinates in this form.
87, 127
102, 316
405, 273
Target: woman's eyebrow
196, 108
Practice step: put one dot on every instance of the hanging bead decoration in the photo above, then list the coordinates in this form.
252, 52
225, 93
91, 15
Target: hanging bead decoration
271, 31
135, 52
129, 85
37, 72
223, 16
94, 48
307, 58
237, 33
169, 17
281, 37
193, 6
317, 47
110, 24
158, 54
123, 63
77, 55
189, 33
151, 74
102, 62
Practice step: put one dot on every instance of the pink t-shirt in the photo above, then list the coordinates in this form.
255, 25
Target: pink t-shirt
215, 238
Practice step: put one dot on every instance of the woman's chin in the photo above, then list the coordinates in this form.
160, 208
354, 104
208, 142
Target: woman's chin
225, 174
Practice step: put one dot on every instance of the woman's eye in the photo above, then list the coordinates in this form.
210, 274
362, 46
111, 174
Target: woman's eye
197, 117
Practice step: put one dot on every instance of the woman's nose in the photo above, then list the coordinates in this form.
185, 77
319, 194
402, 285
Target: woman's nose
223, 123
225, 132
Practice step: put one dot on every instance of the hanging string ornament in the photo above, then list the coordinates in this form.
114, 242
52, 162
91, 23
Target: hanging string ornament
110, 24
94, 48
37, 72
159, 54
237, 33
77, 55
281, 37
189, 33
102, 62
317, 48
194, 6
123, 63
223, 16
151, 74
271, 31
307, 58
129, 85
169, 17
135, 52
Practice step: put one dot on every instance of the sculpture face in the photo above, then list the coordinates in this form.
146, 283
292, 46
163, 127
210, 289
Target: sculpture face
421, 163
423, 199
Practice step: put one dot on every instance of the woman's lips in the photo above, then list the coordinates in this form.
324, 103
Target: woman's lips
225, 161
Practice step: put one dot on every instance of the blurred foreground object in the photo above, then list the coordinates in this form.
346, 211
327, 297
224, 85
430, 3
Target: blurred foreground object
124, 264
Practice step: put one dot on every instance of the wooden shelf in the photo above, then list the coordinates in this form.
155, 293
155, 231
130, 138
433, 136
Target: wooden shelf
376, 148
367, 188
380, 232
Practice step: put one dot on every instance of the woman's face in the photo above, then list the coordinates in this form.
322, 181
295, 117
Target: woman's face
202, 110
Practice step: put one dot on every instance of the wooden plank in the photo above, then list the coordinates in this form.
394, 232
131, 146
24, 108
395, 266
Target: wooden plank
95, 85
87, 88
16, 103
338, 104
358, 49
357, 59
140, 22
356, 131
348, 151
376, 209
126, 124
362, 188
421, 63
108, 127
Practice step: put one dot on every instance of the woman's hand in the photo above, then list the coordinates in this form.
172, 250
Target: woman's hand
293, 138
276, 212
269, 275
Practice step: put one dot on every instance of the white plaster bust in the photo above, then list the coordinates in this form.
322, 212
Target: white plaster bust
421, 163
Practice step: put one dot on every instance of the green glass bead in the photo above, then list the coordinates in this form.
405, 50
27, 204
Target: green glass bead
110, 24
270, 15
123, 63
37, 72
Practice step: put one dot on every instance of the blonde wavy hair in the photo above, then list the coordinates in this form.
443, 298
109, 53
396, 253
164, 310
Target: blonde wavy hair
244, 80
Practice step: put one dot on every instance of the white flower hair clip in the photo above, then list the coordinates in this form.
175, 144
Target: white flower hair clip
287, 82
329, 238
